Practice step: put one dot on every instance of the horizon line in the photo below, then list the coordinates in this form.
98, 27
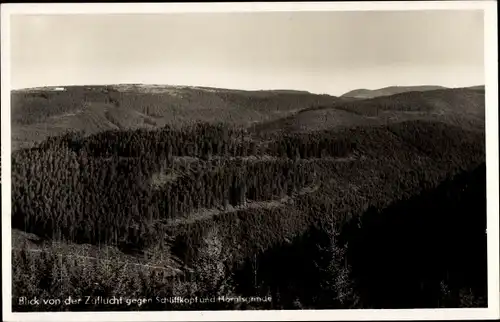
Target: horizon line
239, 89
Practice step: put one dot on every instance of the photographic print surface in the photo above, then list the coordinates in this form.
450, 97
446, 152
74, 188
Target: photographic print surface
248, 161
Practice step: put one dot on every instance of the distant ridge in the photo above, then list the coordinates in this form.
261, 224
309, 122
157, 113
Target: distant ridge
137, 86
463, 107
290, 91
40, 112
477, 87
391, 90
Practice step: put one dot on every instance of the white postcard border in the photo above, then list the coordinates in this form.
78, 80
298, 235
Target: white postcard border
491, 82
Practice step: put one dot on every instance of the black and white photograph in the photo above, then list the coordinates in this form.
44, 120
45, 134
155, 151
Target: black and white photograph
182, 159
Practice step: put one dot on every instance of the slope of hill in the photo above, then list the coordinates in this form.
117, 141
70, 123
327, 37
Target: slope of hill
391, 90
477, 87
424, 251
462, 107
41, 112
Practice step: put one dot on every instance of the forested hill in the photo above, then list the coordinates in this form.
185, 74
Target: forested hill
392, 90
38, 113
387, 91
41, 112
463, 107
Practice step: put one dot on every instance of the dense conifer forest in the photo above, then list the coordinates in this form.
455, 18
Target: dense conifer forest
373, 215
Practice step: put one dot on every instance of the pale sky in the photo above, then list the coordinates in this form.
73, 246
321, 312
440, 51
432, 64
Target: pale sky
322, 52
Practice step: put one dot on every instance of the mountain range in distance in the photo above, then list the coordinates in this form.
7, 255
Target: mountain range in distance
356, 93
391, 90
37, 113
